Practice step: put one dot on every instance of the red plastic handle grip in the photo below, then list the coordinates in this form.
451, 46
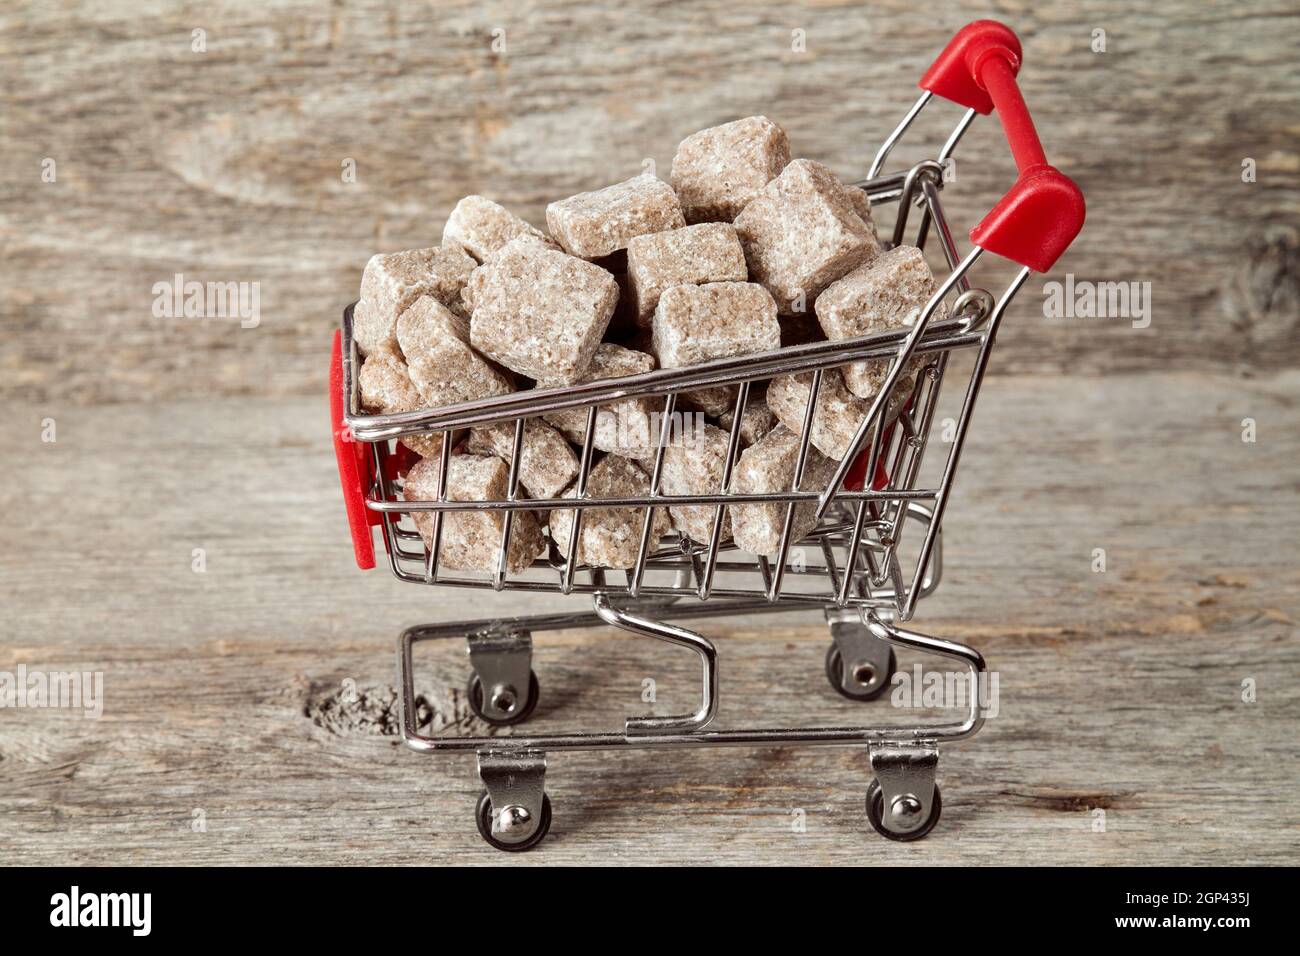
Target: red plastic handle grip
355, 467
1038, 218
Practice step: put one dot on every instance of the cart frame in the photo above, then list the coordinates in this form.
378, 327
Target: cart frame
860, 583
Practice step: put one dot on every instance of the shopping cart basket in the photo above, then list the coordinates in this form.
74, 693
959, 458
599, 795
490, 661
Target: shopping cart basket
857, 574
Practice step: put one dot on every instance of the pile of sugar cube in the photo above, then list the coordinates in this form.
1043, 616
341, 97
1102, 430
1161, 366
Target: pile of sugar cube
726, 261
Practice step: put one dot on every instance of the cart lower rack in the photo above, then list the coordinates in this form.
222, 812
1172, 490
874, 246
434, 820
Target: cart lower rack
851, 565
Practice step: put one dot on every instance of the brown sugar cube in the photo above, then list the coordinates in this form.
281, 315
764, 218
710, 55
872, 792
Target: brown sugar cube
542, 314
444, 369
857, 198
610, 537
392, 282
471, 540
481, 227
714, 401
862, 206
527, 242
870, 375
546, 463
386, 389
802, 234
717, 171
521, 245
708, 252
598, 223
887, 293
755, 422
424, 444
839, 412
698, 323
766, 467
385, 385
625, 427
693, 464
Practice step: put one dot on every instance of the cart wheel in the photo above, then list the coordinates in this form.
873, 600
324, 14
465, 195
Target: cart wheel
867, 680
483, 817
518, 713
876, 814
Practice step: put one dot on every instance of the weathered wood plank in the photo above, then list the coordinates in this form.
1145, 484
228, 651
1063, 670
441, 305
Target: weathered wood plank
223, 690
226, 165
1153, 735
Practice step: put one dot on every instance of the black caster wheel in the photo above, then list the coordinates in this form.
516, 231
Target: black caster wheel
483, 817
876, 814
865, 679
521, 711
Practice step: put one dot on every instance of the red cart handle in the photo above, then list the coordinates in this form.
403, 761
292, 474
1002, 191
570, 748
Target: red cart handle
1041, 214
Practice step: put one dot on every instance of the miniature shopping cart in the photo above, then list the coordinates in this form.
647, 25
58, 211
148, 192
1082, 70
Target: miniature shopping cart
859, 575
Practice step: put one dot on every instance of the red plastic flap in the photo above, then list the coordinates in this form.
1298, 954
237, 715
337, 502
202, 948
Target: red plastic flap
355, 473
1035, 222
858, 470
955, 74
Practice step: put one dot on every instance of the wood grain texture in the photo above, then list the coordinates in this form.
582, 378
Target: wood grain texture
226, 165
224, 689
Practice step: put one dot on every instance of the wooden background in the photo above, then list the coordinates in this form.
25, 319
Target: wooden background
1120, 691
